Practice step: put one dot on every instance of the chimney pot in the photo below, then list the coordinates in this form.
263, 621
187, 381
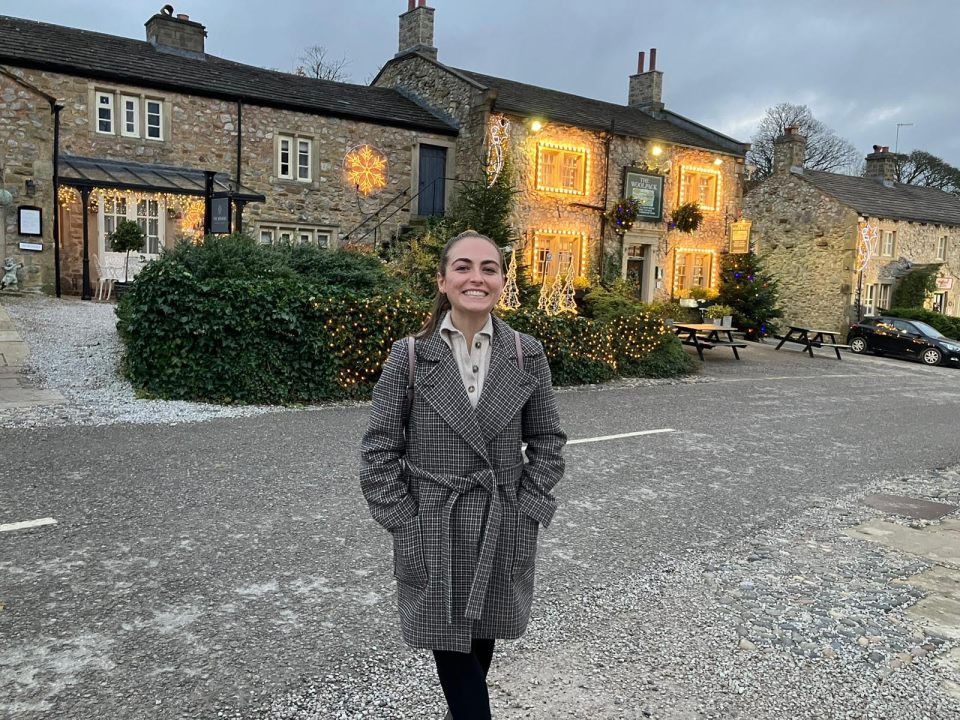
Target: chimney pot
182, 16
653, 59
411, 5
422, 3
640, 60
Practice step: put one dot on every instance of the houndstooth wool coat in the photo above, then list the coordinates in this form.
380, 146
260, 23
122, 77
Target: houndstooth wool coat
461, 503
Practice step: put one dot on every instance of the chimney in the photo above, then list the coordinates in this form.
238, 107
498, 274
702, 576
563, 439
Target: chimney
176, 35
882, 165
646, 88
789, 151
416, 30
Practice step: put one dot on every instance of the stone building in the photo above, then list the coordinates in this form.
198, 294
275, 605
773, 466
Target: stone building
838, 244
95, 129
573, 157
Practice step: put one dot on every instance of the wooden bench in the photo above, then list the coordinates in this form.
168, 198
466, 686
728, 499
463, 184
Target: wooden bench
811, 338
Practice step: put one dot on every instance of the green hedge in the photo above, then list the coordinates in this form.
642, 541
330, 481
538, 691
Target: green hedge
949, 326
276, 333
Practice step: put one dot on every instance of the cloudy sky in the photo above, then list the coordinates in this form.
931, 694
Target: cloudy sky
862, 66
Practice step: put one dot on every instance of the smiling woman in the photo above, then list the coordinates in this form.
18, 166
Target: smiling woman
443, 470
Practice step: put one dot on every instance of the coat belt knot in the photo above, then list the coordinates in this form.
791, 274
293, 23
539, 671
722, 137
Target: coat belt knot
490, 480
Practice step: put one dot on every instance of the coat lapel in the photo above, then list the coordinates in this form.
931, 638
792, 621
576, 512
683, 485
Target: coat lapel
438, 380
506, 387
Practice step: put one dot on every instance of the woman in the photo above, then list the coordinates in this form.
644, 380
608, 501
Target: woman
442, 470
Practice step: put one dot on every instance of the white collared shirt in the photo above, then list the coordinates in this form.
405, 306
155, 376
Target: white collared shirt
473, 361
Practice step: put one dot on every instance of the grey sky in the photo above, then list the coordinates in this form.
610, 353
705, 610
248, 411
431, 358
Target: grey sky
861, 65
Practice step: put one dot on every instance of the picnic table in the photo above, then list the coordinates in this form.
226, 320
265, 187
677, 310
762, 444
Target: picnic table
811, 338
705, 336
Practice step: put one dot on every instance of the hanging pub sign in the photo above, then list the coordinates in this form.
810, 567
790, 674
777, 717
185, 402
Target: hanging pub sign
740, 237
944, 283
220, 215
647, 189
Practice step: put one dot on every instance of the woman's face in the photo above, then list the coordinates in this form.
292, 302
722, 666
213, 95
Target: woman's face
474, 277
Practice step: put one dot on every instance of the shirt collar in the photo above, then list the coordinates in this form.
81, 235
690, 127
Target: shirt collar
447, 327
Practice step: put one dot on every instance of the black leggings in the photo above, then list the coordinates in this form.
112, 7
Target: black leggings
463, 677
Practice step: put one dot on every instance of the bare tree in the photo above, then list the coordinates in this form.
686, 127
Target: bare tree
317, 63
825, 149
927, 170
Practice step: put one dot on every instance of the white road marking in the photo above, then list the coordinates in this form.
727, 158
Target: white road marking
621, 435
27, 524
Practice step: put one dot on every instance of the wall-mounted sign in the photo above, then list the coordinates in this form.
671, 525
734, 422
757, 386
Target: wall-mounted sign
33, 247
220, 215
647, 190
29, 220
944, 283
740, 237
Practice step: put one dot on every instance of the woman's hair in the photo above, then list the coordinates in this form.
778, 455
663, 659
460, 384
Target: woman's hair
440, 302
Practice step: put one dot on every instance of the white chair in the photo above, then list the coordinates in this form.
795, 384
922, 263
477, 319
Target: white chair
103, 278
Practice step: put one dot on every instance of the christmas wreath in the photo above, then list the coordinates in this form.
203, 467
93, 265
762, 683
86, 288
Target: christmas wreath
687, 217
624, 214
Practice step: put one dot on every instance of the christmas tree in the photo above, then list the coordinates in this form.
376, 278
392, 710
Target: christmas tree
750, 292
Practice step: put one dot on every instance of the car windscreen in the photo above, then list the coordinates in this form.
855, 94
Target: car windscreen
927, 330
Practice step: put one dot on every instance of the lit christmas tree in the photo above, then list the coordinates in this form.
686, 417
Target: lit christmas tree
510, 296
750, 292
568, 303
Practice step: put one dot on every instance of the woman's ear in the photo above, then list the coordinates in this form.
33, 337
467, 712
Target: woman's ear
441, 283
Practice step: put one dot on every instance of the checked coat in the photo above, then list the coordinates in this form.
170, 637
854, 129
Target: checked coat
451, 484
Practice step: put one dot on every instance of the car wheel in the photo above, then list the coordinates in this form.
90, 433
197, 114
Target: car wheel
931, 356
858, 345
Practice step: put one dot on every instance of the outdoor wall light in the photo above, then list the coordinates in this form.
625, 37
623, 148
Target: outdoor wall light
656, 151
31, 188
718, 161
536, 125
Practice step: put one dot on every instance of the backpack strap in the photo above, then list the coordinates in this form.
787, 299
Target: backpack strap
516, 335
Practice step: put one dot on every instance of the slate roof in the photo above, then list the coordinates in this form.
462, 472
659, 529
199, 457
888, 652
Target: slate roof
871, 198
41, 46
597, 115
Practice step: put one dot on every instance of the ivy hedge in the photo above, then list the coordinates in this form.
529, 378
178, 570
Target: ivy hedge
256, 325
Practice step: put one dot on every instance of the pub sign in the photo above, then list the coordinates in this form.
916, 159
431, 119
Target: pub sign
647, 189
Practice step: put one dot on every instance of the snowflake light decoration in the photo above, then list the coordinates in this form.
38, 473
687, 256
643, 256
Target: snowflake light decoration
366, 169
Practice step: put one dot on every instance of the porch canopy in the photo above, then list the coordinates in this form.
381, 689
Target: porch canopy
82, 172
88, 174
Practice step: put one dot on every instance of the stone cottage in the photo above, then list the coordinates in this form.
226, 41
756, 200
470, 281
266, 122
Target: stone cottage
838, 244
573, 157
96, 129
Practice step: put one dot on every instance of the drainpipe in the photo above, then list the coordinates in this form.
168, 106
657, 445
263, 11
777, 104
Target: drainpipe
606, 192
85, 201
239, 205
56, 108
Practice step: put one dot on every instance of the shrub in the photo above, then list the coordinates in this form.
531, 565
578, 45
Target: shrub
605, 304
915, 287
345, 269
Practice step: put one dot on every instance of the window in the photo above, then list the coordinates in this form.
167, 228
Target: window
883, 296
154, 115
105, 113
942, 248
889, 243
870, 300
321, 236
131, 116
147, 212
557, 253
940, 303
562, 169
693, 268
701, 186
294, 158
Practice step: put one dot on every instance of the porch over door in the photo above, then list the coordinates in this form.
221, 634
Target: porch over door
432, 186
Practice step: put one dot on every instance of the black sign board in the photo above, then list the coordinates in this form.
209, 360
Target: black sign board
220, 215
647, 190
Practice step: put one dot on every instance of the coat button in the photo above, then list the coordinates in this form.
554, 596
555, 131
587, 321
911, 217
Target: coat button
477, 345
476, 368
471, 388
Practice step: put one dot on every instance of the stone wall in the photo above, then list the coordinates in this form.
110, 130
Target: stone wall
807, 241
199, 133
26, 133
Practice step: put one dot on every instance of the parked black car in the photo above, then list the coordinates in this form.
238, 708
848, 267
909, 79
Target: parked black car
907, 338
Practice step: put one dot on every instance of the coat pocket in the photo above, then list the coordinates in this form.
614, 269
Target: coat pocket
409, 566
525, 551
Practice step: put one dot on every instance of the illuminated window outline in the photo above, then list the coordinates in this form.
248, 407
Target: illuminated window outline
711, 275
562, 150
693, 170
579, 262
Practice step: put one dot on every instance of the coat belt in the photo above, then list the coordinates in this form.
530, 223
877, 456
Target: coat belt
490, 480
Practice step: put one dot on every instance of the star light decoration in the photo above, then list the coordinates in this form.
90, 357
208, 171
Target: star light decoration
366, 169
867, 247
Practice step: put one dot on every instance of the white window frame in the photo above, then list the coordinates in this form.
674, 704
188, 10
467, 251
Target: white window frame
691, 185
883, 295
304, 174
134, 103
110, 107
321, 235
563, 169
285, 145
130, 213
942, 248
292, 146
147, 127
870, 299
889, 246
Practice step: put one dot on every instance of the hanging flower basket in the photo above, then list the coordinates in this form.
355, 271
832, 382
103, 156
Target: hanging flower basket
623, 215
687, 217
